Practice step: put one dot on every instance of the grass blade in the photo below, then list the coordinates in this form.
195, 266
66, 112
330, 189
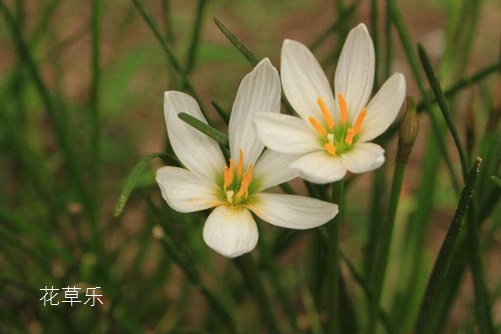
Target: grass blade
444, 107
443, 260
131, 179
206, 129
234, 40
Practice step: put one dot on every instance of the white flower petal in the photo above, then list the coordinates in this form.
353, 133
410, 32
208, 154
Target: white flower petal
286, 134
319, 167
186, 192
291, 211
383, 108
364, 157
355, 69
303, 80
230, 231
272, 169
199, 153
259, 92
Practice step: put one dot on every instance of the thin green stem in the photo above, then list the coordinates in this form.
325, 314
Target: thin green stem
482, 302
333, 269
374, 19
236, 43
95, 128
60, 131
443, 260
148, 18
253, 280
193, 274
206, 129
195, 36
348, 13
383, 251
405, 39
444, 107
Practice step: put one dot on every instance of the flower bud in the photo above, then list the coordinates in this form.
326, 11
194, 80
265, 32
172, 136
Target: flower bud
407, 132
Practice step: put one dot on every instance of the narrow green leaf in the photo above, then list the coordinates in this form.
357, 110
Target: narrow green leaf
444, 107
445, 254
234, 40
347, 14
195, 36
130, 181
206, 129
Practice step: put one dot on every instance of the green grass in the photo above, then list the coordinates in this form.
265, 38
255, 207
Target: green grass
81, 91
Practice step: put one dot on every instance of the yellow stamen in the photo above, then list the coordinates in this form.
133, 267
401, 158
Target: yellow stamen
246, 181
352, 132
317, 126
343, 109
240, 166
326, 113
329, 147
228, 174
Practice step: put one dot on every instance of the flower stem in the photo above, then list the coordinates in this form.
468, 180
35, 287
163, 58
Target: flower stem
252, 278
333, 272
443, 261
383, 251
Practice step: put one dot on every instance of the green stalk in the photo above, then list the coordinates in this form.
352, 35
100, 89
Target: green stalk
442, 102
195, 36
236, 43
443, 261
252, 279
148, 18
94, 106
482, 302
405, 39
348, 13
382, 256
206, 129
61, 133
388, 41
271, 267
333, 269
193, 274
407, 136
374, 26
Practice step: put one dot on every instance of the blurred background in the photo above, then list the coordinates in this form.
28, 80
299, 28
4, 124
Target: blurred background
81, 102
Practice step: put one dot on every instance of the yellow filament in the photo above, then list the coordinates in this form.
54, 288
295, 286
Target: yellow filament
329, 147
343, 109
325, 112
317, 126
352, 132
246, 181
228, 174
240, 165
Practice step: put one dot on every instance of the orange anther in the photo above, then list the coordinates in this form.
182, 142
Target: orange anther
246, 181
317, 126
359, 121
228, 174
325, 112
329, 147
343, 109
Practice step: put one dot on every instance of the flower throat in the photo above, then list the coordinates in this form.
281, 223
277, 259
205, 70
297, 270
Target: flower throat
337, 139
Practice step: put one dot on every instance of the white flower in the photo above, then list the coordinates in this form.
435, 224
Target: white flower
332, 134
235, 189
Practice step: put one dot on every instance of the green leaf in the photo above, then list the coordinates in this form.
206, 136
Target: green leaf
131, 180
206, 129
234, 40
